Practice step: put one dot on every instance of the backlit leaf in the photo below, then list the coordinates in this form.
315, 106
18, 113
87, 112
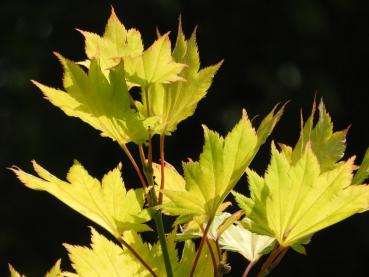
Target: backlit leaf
222, 163
363, 172
107, 203
13, 272
174, 102
116, 43
328, 146
295, 200
55, 271
102, 103
155, 65
103, 258
172, 179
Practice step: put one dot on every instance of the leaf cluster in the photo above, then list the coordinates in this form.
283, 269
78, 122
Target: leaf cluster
305, 188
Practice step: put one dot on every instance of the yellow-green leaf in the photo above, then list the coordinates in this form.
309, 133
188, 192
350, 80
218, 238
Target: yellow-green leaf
172, 179
116, 43
363, 172
14, 273
103, 258
155, 65
295, 200
107, 203
328, 146
55, 271
222, 163
102, 103
174, 102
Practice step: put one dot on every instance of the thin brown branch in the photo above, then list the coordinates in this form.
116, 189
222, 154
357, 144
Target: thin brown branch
215, 265
218, 249
248, 269
201, 246
135, 166
272, 257
138, 257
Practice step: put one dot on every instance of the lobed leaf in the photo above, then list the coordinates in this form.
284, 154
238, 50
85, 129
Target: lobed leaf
117, 42
102, 103
222, 163
107, 203
328, 146
103, 258
295, 200
251, 246
155, 65
176, 101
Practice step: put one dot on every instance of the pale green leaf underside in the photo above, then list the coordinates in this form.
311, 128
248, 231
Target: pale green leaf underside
251, 246
235, 238
293, 201
107, 203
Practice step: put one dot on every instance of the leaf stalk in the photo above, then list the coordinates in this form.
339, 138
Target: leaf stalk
201, 246
137, 256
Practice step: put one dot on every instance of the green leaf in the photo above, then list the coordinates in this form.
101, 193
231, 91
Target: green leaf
363, 172
295, 200
55, 271
155, 65
103, 258
328, 146
116, 43
222, 163
174, 102
107, 203
102, 103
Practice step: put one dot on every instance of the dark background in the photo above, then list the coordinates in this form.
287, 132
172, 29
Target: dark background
274, 51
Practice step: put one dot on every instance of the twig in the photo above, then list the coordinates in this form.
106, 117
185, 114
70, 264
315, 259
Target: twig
135, 166
203, 239
248, 269
138, 257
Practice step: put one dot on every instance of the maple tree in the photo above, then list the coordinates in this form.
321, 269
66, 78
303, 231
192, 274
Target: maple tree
305, 189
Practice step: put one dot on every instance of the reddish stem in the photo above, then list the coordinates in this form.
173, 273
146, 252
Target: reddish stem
135, 166
248, 269
201, 246
272, 257
138, 257
215, 266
